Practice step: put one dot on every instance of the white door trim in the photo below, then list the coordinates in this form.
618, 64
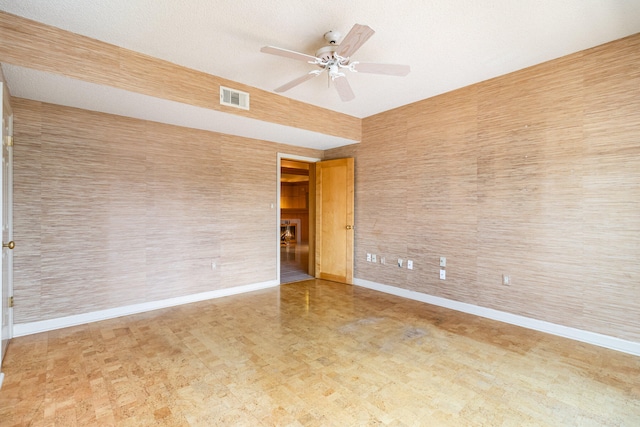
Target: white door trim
6, 283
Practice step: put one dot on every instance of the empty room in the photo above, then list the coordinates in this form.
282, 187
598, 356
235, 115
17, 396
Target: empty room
418, 213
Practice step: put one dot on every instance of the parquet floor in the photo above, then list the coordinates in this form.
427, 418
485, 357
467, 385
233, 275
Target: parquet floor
313, 353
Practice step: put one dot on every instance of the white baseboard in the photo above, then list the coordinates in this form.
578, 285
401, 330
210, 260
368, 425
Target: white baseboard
22, 329
594, 338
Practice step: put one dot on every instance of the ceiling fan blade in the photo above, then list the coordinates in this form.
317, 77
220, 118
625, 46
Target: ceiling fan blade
358, 35
293, 83
344, 88
388, 69
288, 53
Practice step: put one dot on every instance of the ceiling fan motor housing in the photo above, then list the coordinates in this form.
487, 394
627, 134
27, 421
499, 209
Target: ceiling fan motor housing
326, 53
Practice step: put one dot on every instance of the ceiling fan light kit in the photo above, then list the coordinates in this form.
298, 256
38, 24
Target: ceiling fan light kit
335, 59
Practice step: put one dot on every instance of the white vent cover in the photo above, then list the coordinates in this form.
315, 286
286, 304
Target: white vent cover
234, 98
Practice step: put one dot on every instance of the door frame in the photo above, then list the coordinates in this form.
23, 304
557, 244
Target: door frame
9, 253
310, 160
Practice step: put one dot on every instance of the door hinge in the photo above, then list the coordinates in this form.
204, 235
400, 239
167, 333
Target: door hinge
10, 141
10, 302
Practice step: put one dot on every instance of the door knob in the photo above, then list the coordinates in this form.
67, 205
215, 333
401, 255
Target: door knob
349, 227
9, 245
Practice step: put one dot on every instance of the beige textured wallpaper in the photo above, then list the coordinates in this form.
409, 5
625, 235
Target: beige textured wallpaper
111, 211
535, 174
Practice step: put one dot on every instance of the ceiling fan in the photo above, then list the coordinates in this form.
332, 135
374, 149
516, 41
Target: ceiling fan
336, 58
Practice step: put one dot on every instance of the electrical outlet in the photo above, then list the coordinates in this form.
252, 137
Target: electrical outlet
410, 264
213, 264
382, 260
443, 261
374, 258
506, 280
443, 274
368, 257
400, 262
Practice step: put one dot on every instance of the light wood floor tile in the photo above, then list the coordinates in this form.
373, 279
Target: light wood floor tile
313, 353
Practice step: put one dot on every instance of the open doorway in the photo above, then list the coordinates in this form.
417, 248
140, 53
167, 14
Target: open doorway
315, 221
296, 216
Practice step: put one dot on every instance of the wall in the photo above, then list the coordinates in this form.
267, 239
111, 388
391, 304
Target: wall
535, 174
294, 200
294, 195
111, 211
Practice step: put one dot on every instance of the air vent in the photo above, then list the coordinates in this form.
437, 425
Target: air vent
234, 98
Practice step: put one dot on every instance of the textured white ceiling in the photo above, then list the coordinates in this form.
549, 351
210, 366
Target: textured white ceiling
448, 43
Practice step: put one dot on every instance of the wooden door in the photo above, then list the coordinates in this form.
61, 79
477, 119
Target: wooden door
6, 198
334, 220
